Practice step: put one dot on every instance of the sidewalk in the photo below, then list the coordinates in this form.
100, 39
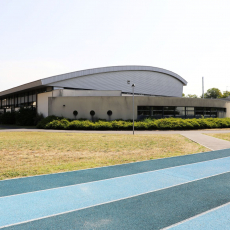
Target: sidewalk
207, 141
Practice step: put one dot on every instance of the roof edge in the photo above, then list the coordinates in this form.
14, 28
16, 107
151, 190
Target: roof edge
21, 87
86, 72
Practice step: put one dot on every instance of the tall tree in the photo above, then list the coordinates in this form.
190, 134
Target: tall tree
213, 93
192, 96
226, 94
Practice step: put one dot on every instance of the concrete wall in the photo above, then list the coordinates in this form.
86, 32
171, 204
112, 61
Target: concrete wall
42, 103
122, 106
42, 99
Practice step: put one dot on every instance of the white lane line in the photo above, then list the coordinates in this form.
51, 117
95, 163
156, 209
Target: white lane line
114, 178
58, 214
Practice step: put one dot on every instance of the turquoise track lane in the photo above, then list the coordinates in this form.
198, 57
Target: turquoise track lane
219, 218
30, 206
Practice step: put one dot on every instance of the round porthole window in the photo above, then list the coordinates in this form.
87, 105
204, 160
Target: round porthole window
75, 113
109, 112
92, 112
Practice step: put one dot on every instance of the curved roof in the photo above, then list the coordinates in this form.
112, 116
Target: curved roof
49, 80
81, 73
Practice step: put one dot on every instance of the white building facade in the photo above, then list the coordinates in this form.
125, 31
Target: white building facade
158, 93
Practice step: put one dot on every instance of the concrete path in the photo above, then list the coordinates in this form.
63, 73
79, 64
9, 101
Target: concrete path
207, 141
4, 129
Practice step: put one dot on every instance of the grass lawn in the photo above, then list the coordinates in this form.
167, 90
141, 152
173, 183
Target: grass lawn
34, 153
224, 136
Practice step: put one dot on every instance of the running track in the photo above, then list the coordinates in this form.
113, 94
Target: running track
186, 192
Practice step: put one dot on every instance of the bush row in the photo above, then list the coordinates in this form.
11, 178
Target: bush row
25, 117
53, 122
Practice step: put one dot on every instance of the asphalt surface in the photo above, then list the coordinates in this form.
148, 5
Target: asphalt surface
4, 128
173, 193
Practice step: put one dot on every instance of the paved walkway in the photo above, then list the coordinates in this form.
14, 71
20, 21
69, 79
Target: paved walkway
207, 141
197, 136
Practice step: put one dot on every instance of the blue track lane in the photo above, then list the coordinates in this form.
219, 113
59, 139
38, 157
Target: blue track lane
30, 184
219, 218
35, 205
155, 210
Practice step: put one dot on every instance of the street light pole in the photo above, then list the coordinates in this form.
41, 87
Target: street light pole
133, 85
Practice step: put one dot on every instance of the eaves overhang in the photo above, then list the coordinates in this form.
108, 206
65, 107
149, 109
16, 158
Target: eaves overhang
31, 85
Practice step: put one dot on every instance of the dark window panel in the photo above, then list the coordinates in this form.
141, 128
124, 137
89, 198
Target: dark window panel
199, 108
169, 108
157, 107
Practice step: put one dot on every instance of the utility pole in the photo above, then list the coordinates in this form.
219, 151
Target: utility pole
133, 85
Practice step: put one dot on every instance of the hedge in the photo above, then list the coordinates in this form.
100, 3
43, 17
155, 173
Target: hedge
24, 116
54, 122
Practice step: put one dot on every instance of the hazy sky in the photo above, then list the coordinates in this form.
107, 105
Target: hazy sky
42, 38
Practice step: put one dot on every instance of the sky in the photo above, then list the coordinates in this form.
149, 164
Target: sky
43, 38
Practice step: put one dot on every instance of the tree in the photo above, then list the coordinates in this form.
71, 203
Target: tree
183, 95
226, 94
213, 93
192, 96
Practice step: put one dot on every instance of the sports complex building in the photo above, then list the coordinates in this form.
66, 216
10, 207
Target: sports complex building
157, 94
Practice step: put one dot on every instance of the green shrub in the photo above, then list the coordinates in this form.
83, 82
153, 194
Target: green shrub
81, 125
193, 123
53, 122
38, 118
58, 124
42, 124
7, 118
25, 116
103, 125
121, 125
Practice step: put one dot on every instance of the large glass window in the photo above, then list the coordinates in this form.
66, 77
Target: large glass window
143, 111
169, 111
180, 112
199, 112
157, 111
22, 99
4, 102
190, 112
207, 112
26, 98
